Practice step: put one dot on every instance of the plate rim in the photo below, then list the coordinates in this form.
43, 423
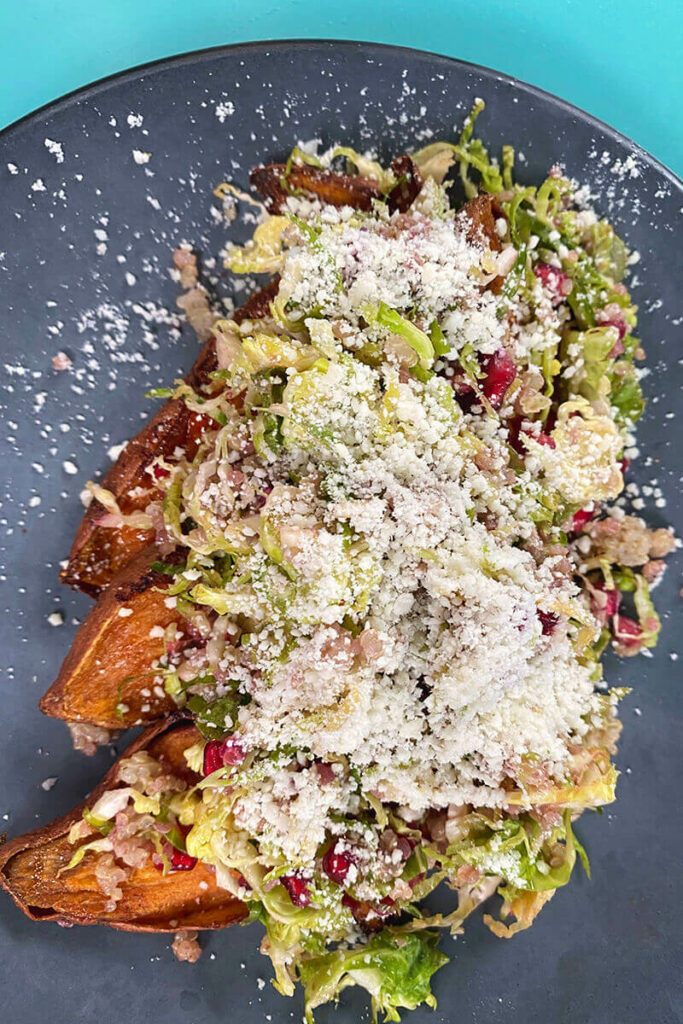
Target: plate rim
98, 85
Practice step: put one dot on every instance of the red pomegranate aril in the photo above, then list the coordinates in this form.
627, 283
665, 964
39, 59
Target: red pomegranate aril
604, 610
545, 439
500, 372
580, 518
232, 751
548, 621
624, 465
613, 599
350, 902
160, 472
555, 281
627, 631
336, 864
297, 889
182, 861
213, 759
325, 772
223, 753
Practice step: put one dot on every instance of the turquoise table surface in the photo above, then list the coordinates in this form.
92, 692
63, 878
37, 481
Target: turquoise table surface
622, 60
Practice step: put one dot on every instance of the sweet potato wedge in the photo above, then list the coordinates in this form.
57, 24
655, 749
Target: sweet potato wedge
150, 902
105, 678
99, 552
333, 188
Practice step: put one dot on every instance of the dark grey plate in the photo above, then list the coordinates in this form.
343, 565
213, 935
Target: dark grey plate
603, 952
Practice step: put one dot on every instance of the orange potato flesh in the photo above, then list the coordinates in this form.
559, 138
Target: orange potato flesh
151, 901
98, 553
109, 664
334, 189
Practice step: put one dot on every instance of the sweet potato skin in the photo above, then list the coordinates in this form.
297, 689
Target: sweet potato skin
112, 652
151, 902
409, 183
99, 552
333, 188
481, 213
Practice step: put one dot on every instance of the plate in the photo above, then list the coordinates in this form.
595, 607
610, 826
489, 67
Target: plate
88, 221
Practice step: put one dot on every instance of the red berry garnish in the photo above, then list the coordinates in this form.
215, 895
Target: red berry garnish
607, 604
548, 621
336, 864
579, 520
325, 772
213, 759
500, 372
627, 631
222, 753
297, 889
182, 861
554, 281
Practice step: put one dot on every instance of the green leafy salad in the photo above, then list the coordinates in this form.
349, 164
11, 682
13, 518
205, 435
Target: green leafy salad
396, 566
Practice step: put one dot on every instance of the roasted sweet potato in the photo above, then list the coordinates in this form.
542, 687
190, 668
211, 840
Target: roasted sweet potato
481, 213
99, 552
408, 185
150, 901
105, 678
333, 188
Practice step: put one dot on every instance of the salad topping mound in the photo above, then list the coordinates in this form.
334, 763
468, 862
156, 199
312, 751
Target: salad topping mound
396, 571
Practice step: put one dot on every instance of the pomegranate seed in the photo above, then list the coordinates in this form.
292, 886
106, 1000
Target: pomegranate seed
545, 439
297, 889
627, 631
212, 757
179, 861
579, 520
336, 864
325, 772
555, 281
500, 372
160, 472
182, 861
222, 753
548, 621
624, 465
613, 599
605, 609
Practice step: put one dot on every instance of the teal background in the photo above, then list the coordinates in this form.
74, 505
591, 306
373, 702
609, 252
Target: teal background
622, 60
